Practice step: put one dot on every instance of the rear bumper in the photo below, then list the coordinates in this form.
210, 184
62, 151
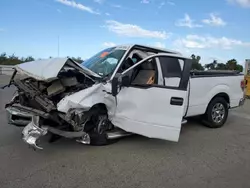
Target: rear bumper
242, 101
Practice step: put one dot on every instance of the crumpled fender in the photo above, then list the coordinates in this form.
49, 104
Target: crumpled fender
85, 99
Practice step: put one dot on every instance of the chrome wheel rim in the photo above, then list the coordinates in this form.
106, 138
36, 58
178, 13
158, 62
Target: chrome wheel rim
102, 124
218, 113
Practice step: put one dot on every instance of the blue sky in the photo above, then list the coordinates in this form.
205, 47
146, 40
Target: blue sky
215, 29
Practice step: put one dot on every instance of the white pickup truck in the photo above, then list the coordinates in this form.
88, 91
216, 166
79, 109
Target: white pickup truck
122, 90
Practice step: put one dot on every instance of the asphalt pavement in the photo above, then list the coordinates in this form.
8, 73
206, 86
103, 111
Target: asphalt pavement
202, 158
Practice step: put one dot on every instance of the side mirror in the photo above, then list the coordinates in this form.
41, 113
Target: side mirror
115, 84
119, 81
125, 81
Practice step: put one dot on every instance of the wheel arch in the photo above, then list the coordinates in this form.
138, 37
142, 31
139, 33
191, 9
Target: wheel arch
222, 95
100, 106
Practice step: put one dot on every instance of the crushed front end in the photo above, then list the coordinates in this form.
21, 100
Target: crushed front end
32, 132
34, 105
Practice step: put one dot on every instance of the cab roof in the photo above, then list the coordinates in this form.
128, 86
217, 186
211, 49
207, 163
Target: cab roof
140, 46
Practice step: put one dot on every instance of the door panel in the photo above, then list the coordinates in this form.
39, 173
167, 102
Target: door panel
149, 112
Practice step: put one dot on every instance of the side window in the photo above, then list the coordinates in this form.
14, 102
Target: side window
132, 59
172, 70
144, 74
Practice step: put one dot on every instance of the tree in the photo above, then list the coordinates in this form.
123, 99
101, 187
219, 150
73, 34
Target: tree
230, 65
196, 63
239, 68
29, 58
212, 66
221, 66
14, 60
3, 58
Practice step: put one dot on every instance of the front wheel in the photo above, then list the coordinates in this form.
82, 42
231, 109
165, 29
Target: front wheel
98, 136
217, 113
98, 126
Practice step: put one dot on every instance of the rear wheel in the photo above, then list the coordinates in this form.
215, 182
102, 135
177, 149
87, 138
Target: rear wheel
217, 113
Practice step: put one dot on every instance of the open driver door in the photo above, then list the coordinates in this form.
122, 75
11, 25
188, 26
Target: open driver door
151, 109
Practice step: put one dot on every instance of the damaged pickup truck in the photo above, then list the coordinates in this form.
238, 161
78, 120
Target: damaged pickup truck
122, 90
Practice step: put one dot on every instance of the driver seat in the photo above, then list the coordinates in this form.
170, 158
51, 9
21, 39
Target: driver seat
146, 74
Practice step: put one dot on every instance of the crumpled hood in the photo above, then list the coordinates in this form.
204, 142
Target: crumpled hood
48, 69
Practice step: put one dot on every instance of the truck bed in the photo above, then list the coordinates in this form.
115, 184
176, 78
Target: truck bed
213, 73
205, 85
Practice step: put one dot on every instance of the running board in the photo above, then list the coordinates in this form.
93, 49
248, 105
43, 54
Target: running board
184, 121
120, 133
117, 134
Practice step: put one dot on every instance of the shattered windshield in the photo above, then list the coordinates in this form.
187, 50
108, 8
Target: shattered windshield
104, 62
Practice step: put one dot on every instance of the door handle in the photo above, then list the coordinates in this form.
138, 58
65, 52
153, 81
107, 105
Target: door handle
176, 101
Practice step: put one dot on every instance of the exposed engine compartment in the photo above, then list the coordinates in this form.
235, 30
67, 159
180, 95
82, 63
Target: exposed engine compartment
45, 96
41, 97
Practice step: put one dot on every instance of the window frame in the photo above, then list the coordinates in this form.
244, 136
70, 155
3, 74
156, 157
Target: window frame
184, 76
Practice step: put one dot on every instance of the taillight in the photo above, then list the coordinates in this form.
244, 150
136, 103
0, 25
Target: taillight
243, 84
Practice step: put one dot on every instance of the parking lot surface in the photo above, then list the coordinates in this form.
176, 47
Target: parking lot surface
202, 158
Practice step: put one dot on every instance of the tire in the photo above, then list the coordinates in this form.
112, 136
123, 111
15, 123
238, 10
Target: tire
100, 140
216, 113
99, 137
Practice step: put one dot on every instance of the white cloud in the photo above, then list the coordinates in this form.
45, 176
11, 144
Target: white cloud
109, 44
162, 4
202, 42
242, 3
99, 1
116, 6
159, 45
121, 7
182, 50
77, 6
214, 20
107, 14
145, 1
187, 22
134, 30
171, 3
